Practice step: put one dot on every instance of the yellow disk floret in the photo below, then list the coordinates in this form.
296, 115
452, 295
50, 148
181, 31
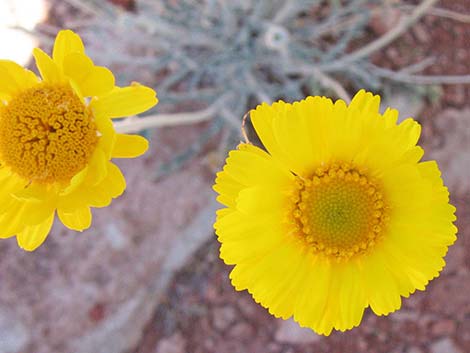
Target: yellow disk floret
47, 134
339, 211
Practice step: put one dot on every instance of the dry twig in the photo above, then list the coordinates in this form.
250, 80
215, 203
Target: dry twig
134, 124
420, 79
404, 23
440, 12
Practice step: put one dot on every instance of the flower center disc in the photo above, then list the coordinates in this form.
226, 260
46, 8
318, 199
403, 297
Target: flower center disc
339, 211
46, 133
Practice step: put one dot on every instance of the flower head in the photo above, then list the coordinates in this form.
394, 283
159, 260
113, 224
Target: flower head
338, 214
57, 140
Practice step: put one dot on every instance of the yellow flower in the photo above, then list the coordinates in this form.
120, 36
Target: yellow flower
57, 139
339, 214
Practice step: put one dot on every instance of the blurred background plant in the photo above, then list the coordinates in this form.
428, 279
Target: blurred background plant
228, 56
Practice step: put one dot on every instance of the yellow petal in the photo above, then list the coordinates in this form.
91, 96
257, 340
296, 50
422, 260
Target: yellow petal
10, 186
73, 200
33, 192
75, 182
129, 146
227, 188
352, 298
37, 211
262, 119
92, 80
111, 187
11, 222
19, 212
122, 102
14, 77
79, 219
97, 168
77, 65
46, 66
410, 130
115, 182
66, 42
383, 294
250, 169
365, 102
33, 236
100, 81
260, 233
290, 128
99, 195
6, 235
108, 134
248, 200
4, 172
313, 298
91, 175
248, 166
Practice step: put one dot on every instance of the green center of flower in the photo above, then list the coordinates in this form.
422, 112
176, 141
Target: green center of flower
339, 211
47, 134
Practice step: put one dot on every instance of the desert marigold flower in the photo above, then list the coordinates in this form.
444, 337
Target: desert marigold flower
337, 215
57, 139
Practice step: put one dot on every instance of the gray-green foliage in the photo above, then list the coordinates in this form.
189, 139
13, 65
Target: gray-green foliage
244, 51
251, 51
